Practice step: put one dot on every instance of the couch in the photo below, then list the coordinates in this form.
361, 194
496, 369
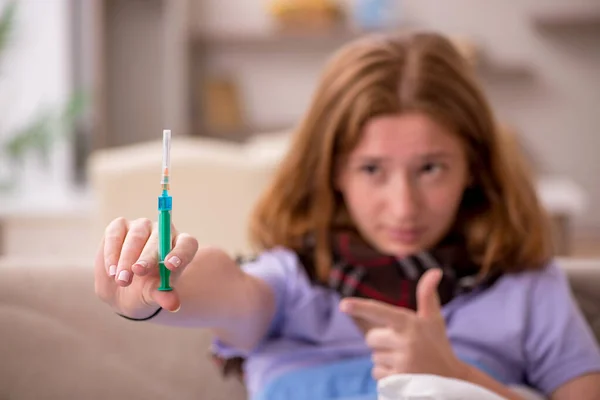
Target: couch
216, 183
60, 342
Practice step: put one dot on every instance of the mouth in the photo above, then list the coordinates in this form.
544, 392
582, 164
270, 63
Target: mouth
405, 236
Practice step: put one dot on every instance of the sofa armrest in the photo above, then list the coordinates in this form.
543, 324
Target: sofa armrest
584, 277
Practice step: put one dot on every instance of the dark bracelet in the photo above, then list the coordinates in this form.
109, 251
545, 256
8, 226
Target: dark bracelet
142, 319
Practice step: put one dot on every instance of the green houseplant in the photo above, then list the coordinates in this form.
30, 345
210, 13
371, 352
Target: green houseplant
37, 136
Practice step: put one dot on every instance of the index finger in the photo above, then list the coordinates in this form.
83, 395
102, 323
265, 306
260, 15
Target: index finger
375, 312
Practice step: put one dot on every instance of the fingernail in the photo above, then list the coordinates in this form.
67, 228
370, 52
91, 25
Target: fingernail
177, 309
175, 261
112, 270
142, 263
123, 276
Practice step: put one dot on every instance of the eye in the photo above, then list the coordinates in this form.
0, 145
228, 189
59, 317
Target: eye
370, 169
431, 168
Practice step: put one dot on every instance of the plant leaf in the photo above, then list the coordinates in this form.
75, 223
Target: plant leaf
43, 131
7, 19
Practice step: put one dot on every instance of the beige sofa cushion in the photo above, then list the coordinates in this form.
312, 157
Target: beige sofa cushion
58, 341
214, 186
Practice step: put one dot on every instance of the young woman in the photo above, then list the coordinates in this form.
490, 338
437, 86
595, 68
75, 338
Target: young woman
398, 236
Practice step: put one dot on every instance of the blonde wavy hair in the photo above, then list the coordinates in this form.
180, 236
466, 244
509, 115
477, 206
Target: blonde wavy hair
500, 216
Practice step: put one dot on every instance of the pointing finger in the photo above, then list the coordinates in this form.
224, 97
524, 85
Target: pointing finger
375, 312
428, 301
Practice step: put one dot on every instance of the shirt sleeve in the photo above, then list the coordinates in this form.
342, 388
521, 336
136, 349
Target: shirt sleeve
278, 268
559, 345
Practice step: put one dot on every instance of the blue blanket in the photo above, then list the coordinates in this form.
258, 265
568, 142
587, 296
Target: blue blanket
347, 380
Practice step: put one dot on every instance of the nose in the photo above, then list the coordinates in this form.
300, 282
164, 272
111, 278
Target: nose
403, 198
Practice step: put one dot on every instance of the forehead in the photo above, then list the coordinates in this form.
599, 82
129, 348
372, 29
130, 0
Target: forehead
404, 135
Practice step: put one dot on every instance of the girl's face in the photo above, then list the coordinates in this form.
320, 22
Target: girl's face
403, 183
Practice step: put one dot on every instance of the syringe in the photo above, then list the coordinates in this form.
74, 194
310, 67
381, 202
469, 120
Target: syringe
165, 205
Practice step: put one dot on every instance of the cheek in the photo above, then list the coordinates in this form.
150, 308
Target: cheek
360, 201
355, 199
443, 202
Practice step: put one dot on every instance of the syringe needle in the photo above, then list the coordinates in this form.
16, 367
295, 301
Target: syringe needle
166, 164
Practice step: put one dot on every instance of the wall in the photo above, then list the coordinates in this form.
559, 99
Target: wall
35, 75
134, 69
556, 112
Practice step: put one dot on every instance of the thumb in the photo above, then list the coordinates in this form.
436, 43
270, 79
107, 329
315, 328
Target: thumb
169, 300
428, 301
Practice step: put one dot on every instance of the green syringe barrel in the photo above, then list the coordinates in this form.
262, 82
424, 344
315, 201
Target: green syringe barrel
164, 239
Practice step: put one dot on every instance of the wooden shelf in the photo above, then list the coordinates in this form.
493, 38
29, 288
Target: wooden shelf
568, 18
276, 42
327, 40
253, 41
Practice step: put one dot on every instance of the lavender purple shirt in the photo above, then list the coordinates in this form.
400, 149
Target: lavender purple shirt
525, 329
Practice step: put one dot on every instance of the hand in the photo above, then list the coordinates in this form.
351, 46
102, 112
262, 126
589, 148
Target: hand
404, 341
126, 267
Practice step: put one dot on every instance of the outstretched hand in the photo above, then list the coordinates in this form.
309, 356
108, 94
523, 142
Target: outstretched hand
405, 341
127, 268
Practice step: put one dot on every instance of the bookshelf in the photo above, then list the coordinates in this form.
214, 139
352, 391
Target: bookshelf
152, 64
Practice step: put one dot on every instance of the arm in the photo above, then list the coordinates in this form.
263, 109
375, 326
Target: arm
562, 355
585, 387
561, 352
216, 293
477, 377
210, 289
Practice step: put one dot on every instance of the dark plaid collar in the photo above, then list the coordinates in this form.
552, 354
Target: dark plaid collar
360, 270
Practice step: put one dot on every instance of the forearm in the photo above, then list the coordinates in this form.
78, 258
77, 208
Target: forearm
477, 377
585, 387
215, 293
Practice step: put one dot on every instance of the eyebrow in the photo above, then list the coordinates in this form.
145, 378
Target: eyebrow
434, 155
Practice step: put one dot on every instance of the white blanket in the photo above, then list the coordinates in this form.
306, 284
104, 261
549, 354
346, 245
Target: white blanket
432, 387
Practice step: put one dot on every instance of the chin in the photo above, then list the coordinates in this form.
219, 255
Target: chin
401, 250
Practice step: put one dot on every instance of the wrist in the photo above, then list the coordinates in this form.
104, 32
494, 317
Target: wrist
471, 374
142, 316
463, 371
